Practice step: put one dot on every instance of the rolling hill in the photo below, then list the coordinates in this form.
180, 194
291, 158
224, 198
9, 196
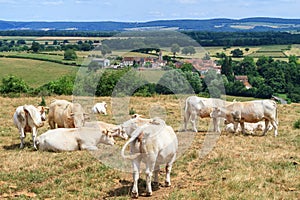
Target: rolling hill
222, 24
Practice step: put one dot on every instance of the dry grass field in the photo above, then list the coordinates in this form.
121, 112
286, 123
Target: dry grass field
238, 167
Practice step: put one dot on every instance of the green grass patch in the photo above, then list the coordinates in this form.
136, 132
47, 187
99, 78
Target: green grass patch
35, 73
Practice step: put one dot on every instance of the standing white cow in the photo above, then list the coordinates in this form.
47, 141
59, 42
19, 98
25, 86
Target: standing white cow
66, 114
199, 106
28, 118
153, 143
72, 139
250, 111
100, 108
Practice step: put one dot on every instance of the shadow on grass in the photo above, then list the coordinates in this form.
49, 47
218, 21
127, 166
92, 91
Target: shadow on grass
11, 147
125, 189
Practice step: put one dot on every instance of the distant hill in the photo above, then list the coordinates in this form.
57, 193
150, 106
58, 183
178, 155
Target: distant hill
247, 24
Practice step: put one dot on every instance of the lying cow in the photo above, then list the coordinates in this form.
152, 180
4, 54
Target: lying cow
249, 127
250, 111
65, 114
131, 125
28, 118
72, 139
116, 129
199, 106
100, 108
153, 143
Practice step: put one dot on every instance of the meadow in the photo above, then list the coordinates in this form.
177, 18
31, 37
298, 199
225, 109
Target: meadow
238, 167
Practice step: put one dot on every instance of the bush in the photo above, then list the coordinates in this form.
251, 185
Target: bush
296, 124
13, 84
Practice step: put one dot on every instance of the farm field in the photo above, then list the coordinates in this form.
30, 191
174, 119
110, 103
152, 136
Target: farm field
238, 167
34, 72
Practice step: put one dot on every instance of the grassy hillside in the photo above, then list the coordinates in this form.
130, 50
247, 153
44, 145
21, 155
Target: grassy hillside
238, 167
34, 72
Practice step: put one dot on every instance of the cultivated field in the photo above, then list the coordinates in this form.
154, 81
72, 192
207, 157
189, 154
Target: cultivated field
238, 167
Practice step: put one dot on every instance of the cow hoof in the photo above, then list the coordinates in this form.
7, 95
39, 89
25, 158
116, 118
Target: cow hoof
134, 195
148, 194
167, 184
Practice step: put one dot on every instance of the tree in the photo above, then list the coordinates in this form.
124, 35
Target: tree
188, 50
226, 69
237, 53
70, 54
35, 47
175, 48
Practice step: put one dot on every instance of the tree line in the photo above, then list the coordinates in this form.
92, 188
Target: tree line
204, 38
267, 76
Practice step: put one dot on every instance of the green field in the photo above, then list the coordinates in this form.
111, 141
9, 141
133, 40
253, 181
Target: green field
35, 73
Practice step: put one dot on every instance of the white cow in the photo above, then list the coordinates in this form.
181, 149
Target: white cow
199, 106
100, 108
116, 129
131, 125
65, 114
250, 111
249, 127
28, 118
72, 139
153, 143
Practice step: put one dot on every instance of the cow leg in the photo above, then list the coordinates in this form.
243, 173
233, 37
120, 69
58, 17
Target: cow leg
34, 134
216, 123
243, 127
136, 171
235, 127
193, 121
266, 126
275, 126
186, 120
168, 171
156, 171
149, 170
22, 136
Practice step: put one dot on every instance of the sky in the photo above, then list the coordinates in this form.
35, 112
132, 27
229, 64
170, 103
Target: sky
141, 11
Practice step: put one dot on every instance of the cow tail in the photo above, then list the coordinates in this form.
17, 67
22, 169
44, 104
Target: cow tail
30, 111
130, 157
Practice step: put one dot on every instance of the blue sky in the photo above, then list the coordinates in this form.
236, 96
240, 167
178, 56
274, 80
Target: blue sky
139, 11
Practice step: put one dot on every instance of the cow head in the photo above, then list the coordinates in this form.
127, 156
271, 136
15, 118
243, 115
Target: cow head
43, 110
119, 132
236, 116
107, 137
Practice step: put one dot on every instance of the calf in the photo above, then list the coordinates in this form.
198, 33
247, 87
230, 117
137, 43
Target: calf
28, 118
153, 143
249, 127
72, 139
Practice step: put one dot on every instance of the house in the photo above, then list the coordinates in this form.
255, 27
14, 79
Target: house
102, 62
203, 66
244, 80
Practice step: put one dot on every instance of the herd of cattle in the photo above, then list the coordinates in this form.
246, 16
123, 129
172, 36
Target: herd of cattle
151, 140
